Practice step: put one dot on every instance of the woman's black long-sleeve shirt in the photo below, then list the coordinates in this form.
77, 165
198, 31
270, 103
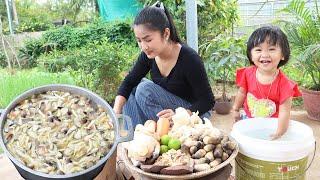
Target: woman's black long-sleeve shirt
187, 79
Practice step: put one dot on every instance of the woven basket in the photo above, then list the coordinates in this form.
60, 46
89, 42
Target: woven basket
194, 175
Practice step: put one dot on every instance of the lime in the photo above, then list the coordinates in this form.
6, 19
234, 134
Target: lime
164, 149
164, 140
174, 144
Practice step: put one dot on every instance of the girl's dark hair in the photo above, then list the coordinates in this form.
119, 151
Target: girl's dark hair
275, 36
157, 18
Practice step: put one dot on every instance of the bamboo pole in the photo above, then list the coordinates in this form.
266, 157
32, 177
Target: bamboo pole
4, 46
4, 42
9, 16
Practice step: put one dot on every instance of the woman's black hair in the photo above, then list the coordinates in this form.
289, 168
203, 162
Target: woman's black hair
275, 36
157, 18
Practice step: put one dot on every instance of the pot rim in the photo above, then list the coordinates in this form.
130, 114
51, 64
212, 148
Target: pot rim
75, 90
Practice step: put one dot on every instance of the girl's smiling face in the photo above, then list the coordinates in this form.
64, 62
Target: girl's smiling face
150, 42
267, 56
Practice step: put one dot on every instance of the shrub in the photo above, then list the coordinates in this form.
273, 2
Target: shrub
67, 37
33, 26
3, 61
304, 34
32, 49
97, 66
222, 55
64, 38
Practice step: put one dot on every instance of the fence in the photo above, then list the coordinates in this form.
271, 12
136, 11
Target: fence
256, 13
17, 40
13, 42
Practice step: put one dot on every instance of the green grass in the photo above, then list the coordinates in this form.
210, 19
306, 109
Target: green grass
13, 84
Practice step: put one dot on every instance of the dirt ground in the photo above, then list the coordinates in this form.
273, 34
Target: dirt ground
225, 122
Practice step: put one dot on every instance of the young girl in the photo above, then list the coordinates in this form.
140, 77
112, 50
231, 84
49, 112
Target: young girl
178, 77
264, 90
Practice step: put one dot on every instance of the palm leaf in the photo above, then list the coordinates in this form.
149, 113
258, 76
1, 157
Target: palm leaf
303, 22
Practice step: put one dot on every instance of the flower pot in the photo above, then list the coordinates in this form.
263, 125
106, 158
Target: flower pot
311, 101
222, 107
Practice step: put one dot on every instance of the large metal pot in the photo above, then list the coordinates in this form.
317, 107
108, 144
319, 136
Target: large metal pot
89, 173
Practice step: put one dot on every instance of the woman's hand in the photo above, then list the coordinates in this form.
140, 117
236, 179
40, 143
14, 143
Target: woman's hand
166, 113
116, 111
118, 104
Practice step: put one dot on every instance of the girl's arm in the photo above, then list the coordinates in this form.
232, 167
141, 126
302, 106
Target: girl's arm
118, 104
238, 102
283, 119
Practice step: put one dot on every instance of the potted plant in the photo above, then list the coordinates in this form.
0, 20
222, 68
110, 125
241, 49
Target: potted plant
222, 55
304, 35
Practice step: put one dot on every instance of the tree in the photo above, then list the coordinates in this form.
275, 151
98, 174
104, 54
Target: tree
214, 17
76, 5
3, 10
304, 34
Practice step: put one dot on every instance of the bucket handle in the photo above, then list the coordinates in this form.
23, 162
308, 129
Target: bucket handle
314, 154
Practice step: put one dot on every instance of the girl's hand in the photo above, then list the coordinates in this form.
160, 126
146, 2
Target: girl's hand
283, 119
275, 136
236, 115
166, 113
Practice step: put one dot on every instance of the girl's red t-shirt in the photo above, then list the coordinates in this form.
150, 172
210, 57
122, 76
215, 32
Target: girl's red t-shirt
263, 100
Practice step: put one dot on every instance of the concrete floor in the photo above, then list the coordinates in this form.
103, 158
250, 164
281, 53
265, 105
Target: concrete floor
225, 122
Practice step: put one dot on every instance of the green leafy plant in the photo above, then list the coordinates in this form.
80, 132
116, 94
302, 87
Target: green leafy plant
67, 38
222, 55
304, 35
97, 66
32, 49
214, 17
3, 12
64, 37
33, 24
3, 61
32, 17
36, 16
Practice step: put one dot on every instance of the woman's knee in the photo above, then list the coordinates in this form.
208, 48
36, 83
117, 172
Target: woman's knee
144, 90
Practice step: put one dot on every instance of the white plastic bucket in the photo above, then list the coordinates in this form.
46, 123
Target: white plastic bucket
261, 158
